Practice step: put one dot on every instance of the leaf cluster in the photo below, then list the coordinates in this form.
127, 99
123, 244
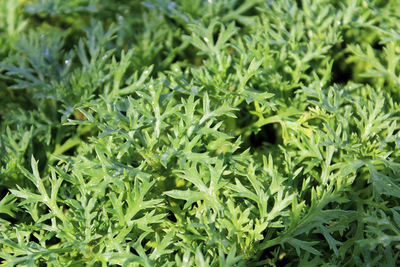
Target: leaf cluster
199, 133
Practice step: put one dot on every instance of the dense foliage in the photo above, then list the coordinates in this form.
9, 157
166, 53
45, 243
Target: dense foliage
199, 133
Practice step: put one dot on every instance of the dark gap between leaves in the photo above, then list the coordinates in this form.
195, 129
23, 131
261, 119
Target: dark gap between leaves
267, 134
42, 263
171, 217
266, 254
133, 251
53, 241
378, 46
341, 74
143, 244
33, 238
3, 191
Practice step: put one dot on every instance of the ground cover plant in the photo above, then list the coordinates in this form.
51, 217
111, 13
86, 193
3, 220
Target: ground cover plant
199, 133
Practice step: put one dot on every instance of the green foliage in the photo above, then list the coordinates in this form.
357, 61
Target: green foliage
199, 133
